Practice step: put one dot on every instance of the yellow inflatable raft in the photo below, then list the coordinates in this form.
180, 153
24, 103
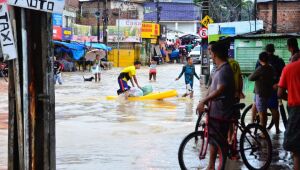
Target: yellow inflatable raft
151, 96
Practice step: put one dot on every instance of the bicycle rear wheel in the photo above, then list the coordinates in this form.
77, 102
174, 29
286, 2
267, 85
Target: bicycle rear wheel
189, 152
256, 147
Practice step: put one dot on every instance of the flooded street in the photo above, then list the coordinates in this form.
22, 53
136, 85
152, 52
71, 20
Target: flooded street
95, 133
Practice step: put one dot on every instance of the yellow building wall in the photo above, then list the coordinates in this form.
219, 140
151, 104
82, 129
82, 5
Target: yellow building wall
127, 57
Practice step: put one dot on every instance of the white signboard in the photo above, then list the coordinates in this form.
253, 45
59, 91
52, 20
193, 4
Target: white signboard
6, 35
129, 23
53, 6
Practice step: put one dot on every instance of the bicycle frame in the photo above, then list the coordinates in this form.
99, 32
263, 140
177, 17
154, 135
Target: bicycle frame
237, 127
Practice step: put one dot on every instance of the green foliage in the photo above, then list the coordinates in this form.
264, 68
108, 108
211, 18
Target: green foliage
229, 10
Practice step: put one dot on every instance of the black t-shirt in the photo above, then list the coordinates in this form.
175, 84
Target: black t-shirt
277, 63
56, 67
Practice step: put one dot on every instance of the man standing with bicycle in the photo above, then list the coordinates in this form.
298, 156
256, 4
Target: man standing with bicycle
288, 89
220, 97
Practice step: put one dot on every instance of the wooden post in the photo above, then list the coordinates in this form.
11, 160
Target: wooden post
25, 89
18, 100
38, 151
12, 142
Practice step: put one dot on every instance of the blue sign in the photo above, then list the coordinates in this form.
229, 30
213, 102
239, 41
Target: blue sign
67, 34
227, 30
57, 19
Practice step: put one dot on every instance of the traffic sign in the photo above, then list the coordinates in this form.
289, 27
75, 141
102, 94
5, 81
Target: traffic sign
203, 33
207, 20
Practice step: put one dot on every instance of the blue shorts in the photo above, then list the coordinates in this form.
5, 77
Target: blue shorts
190, 83
261, 103
273, 101
123, 86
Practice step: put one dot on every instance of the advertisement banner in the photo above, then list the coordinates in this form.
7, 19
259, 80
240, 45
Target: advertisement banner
67, 34
150, 30
57, 33
82, 30
57, 19
129, 31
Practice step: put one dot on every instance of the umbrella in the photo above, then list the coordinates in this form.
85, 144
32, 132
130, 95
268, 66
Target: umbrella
91, 55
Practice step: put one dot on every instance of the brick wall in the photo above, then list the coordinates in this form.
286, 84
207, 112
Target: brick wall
288, 16
74, 4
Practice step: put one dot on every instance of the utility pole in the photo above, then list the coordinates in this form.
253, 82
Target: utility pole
119, 12
255, 13
98, 21
274, 17
105, 21
158, 10
205, 70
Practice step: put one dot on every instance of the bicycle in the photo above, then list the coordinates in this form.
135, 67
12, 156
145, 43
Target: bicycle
255, 145
270, 123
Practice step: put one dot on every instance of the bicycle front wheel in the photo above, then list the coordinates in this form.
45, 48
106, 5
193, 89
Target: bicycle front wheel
189, 152
256, 147
247, 116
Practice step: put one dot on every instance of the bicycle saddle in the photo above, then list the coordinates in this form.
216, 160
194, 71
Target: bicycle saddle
238, 106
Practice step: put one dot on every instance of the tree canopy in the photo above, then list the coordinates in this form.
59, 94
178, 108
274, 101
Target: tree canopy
229, 10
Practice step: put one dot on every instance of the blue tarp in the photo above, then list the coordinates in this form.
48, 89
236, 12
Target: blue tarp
77, 50
98, 46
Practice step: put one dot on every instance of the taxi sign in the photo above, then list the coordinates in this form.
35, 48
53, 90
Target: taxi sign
206, 20
6, 34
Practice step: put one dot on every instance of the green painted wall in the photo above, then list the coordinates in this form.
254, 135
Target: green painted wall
247, 51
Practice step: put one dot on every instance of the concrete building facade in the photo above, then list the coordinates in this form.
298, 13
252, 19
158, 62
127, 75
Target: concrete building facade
180, 17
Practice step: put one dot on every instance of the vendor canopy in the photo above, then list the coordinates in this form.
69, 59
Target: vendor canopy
77, 50
98, 46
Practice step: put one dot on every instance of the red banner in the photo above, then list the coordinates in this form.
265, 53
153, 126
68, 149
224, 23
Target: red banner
57, 33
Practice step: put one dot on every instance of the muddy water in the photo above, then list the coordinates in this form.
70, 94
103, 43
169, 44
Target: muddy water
94, 133
3, 123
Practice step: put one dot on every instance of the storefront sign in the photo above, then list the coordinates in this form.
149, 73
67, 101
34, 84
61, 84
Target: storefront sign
67, 34
53, 6
57, 33
227, 30
150, 30
57, 19
129, 23
6, 34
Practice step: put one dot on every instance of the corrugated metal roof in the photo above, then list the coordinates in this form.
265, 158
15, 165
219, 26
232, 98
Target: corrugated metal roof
268, 35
